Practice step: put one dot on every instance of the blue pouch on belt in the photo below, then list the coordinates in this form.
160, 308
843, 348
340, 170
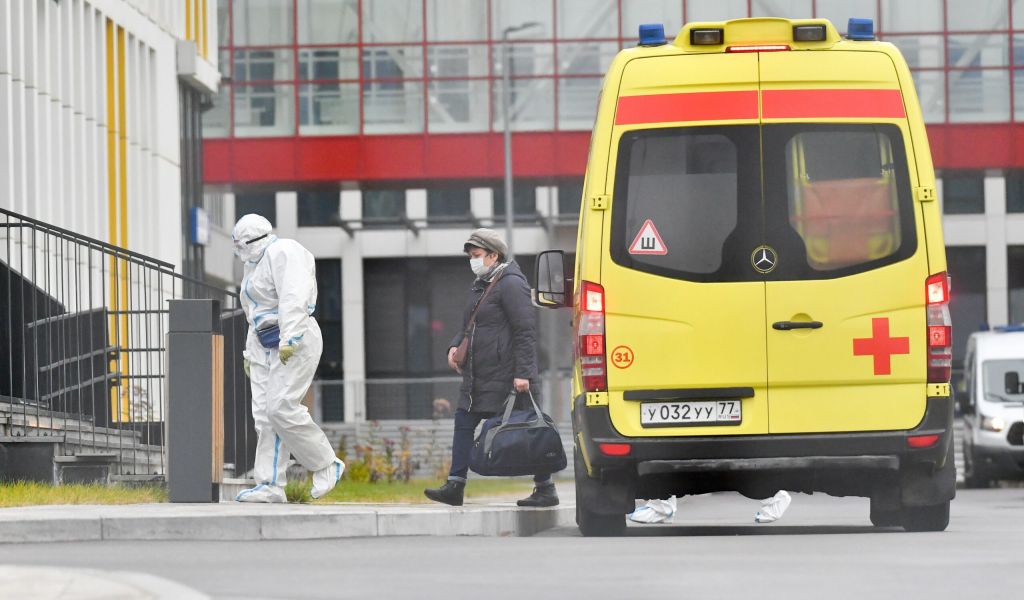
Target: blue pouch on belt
270, 337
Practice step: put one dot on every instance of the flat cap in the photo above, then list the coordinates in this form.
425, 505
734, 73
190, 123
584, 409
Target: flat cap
488, 239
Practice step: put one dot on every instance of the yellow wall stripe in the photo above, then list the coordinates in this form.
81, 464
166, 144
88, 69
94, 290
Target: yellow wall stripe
117, 207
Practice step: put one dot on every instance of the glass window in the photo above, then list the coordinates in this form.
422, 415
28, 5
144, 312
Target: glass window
843, 188
217, 120
967, 303
570, 198
328, 21
457, 61
263, 65
931, 91
1015, 191
448, 202
456, 20
841, 11
1015, 264
585, 58
328, 108
715, 10
921, 50
789, 9
532, 105
383, 204
638, 12
411, 316
458, 105
978, 51
963, 193
1018, 14
577, 102
262, 22
328, 316
319, 208
328, 64
258, 203
588, 19
525, 193
525, 59
977, 96
264, 110
977, 15
912, 15
687, 185
392, 103
1002, 379
393, 21
515, 13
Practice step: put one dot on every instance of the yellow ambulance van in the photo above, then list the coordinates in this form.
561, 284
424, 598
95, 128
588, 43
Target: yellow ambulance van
760, 292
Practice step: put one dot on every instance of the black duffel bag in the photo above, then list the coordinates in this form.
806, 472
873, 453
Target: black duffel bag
518, 442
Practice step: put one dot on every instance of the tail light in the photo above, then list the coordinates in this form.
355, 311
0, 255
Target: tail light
590, 337
940, 329
922, 441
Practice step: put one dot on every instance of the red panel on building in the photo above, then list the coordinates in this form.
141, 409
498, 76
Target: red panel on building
536, 155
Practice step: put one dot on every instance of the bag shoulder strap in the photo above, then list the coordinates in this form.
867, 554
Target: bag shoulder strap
472, 317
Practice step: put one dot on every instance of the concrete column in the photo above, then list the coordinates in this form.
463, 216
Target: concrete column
481, 203
416, 206
353, 344
287, 207
996, 272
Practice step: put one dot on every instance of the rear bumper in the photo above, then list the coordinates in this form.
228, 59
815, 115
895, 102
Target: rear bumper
884, 450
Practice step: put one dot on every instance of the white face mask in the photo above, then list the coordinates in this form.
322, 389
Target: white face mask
478, 267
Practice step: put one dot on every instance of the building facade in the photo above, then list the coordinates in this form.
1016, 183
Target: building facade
100, 104
371, 130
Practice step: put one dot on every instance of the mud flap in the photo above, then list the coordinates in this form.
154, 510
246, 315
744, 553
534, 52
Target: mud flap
924, 485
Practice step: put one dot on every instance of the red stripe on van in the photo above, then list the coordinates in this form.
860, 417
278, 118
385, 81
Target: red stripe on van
817, 104
695, 106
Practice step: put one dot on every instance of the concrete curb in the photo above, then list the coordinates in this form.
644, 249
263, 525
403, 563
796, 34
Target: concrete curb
243, 522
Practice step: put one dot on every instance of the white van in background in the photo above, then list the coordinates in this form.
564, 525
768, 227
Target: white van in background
993, 406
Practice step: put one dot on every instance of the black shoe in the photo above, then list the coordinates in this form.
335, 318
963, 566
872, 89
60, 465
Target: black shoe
544, 494
450, 493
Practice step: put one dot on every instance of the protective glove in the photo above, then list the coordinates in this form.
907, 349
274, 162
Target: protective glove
247, 365
285, 352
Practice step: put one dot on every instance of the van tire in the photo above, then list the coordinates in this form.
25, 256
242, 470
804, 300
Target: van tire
885, 518
972, 478
590, 523
926, 518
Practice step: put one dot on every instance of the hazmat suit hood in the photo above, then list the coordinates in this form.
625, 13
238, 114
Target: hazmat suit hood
251, 236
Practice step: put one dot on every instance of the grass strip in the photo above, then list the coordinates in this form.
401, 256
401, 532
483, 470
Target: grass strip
31, 493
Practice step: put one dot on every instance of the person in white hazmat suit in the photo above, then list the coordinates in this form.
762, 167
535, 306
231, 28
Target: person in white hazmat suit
282, 350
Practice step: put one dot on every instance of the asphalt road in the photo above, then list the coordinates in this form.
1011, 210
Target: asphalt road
822, 548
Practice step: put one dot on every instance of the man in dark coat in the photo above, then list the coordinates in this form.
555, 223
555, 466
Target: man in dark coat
502, 355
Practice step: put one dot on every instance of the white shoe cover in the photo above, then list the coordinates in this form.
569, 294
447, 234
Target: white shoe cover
270, 494
325, 479
655, 511
773, 508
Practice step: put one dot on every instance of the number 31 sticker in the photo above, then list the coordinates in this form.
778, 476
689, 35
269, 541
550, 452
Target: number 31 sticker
622, 357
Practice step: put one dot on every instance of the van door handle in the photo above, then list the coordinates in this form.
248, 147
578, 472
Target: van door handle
788, 325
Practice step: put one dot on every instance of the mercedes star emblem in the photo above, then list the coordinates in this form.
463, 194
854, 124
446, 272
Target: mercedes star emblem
764, 259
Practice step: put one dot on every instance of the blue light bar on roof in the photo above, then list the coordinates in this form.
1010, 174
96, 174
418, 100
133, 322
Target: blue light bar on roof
860, 30
652, 34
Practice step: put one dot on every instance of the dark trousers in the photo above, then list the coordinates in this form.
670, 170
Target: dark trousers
462, 444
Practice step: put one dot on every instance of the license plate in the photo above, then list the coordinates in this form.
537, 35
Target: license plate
702, 412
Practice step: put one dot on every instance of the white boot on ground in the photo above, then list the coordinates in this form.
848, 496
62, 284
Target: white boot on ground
265, 493
325, 479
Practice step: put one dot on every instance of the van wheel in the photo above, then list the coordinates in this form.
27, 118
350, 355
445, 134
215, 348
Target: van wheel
593, 524
926, 518
885, 518
972, 478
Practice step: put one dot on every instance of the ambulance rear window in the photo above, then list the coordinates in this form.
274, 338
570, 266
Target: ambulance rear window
683, 198
846, 195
